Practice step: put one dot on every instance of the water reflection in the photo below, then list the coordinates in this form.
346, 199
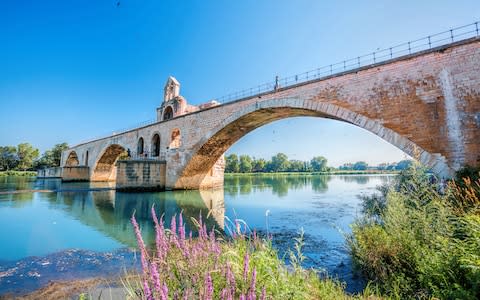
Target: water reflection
279, 184
92, 216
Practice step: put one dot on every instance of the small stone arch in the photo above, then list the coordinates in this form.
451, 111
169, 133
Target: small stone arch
176, 139
167, 113
140, 146
72, 159
156, 145
105, 169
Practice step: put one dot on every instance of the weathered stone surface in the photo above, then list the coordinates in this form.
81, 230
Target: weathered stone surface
427, 103
50, 173
140, 175
77, 173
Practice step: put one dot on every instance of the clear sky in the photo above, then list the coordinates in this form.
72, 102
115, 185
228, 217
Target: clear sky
72, 70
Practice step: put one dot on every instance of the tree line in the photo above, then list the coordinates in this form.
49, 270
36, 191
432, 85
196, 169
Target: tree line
281, 163
278, 163
25, 157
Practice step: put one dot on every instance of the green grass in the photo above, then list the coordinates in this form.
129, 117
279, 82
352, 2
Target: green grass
18, 173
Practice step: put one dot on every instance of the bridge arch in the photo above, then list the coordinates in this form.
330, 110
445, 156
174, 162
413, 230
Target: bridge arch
213, 145
104, 168
72, 159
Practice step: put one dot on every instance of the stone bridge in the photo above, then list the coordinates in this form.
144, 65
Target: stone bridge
427, 104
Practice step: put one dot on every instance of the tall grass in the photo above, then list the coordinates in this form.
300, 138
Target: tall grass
416, 242
212, 266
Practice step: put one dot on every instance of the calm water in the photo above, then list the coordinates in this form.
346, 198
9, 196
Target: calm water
82, 229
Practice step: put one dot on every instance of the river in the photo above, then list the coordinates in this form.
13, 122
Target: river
59, 231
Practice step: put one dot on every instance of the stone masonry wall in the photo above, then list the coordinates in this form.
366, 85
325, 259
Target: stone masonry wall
140, 175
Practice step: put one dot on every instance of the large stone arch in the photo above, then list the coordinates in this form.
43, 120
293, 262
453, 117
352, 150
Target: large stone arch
210, 149
72, 159
104, 167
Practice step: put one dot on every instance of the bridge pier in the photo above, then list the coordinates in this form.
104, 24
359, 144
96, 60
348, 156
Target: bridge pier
76, 173
141, 175
199, 179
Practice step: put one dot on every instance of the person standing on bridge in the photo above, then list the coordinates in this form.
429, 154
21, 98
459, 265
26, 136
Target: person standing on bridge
276, 86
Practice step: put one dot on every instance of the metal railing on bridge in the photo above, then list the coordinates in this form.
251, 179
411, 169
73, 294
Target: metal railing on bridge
435, 40
378, 56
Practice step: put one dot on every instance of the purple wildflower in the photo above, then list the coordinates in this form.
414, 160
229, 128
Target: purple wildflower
245, 266
160, 242
264, 294
252, 284
230, 280
164, 293
181, 228
208, 287
173, 226
146, 290
141, 245
156, 277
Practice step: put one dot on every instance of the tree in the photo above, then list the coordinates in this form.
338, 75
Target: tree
52, 157
245, 164
296, 166
26, 156
57, 153
8, 158
360, 166
279, 163
231, 164
259, 165
403, 164
318, 164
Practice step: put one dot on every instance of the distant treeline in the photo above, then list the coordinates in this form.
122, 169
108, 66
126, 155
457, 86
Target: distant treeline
25, 157
281, 163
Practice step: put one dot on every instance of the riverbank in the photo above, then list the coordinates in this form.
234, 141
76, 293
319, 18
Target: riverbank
335, 172
18, 173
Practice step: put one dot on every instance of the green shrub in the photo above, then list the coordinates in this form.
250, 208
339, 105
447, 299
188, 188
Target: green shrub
423, 244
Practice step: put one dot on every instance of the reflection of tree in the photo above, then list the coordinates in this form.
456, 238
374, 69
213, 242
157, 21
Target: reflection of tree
245, 184
320, 183
231, 184
360, 179
280, 184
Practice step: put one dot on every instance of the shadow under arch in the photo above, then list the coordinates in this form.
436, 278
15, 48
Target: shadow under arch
72, 159
105, 169
215, 143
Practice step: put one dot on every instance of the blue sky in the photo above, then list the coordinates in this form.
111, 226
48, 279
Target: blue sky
72, 70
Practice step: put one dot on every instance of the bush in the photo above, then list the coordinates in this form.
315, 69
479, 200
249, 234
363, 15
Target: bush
423, 244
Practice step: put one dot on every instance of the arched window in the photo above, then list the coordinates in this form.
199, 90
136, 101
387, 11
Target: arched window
176, 139
140, 146
86, 158
168, 113
156, 145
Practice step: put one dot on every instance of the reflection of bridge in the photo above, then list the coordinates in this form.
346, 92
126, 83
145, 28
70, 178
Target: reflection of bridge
109, 211
429, 101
